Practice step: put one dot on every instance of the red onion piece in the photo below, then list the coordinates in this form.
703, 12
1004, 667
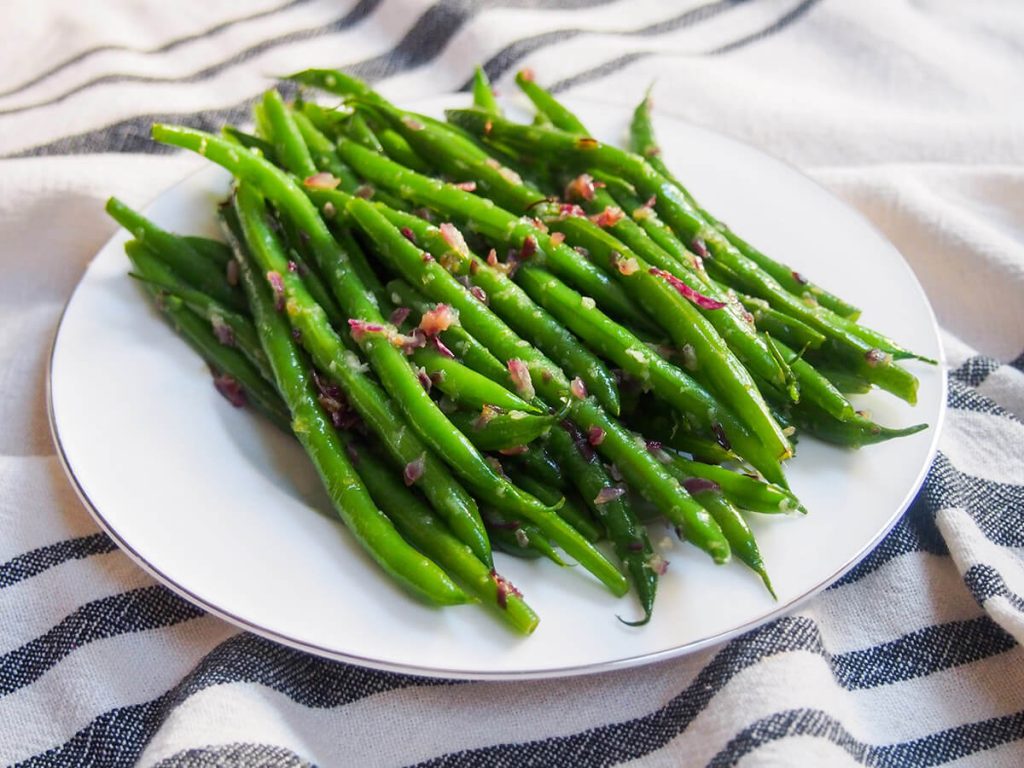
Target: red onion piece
578, 388
699, 485
608, 493
520, 376
322, 180
699, 299
359, 328
595, 435
277, 286
399, 316
414, 470
230, 389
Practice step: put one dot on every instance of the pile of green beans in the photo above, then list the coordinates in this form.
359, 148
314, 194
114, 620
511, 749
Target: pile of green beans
481, 336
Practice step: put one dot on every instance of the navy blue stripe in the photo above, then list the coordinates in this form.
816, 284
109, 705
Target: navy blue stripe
424, 42
361, 10
985, 582
921, 653
78, 58
38, 560
996, 508
935, 749
118, 737
510, 55
975, 370
772, 29
134, 611
964, 398
608, 67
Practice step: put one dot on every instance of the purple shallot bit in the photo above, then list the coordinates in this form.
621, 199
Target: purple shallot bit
657, 451
565, 210
694, 485
520, 376
423, 378
359, 328
297, 335
658, 564
425, 257
474, 267
609, 217
720, 437
293, 267
399, 315
876, 357
557, 238
514, 450
414, 470
231, 272
529, 248
580, 188
352, 452
699, 247
609, 493
454, 238
615, 472
277, 286
411, 341
364, 191
466, 186
441, 347
412, 123
487, 413
222, 331
230, 389
635, 546
505, 588
578, 388
595, 435
626, 267
478, 293
702, 301
492, 258
578, 440
408, 235
322, 180
436, 320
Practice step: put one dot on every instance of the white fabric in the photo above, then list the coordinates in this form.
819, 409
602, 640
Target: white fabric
909, 110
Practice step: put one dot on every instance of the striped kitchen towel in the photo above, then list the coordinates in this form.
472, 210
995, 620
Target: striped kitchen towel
908, 109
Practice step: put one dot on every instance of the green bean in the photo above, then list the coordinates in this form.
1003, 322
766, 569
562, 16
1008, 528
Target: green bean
548, 105
628, 536
494, 430
396, 248
322, 151
467, 387
494, 223
343, 367
688, 223
713, 364
570, 511
519, 538
507, 299
417, 523
854, 432
548, 380
456, 338
192, 266
538, 464
814, 387
780, 326
250, 142
229, 361
370, 527
740, 537
213, 250
742, 490
669, 382
483, 95
642, 141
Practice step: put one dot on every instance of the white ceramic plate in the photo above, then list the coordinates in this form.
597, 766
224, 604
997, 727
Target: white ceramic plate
229, 513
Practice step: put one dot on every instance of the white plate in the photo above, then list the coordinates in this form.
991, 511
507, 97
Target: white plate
223, 509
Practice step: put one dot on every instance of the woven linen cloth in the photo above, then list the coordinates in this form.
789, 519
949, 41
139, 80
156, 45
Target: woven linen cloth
910, 110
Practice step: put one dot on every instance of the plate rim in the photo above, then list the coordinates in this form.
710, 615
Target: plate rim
628, 662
